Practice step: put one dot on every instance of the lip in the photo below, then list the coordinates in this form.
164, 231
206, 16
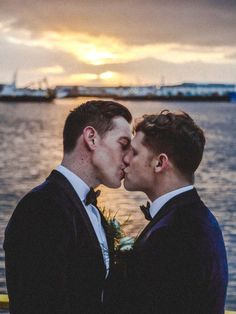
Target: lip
122, 174
125, 170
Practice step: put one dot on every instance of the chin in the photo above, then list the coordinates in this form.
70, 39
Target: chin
128, 186
113, 185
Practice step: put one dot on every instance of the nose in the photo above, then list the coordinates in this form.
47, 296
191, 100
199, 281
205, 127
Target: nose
126, 158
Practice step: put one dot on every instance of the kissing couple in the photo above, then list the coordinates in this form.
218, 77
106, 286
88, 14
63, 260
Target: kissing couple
59, 254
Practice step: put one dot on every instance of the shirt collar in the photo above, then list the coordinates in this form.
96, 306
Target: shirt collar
162, 200
78, 184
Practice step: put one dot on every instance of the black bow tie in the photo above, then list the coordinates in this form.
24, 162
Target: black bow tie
146, 211
91, 197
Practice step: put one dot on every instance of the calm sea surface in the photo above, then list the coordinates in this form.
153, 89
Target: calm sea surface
31, 146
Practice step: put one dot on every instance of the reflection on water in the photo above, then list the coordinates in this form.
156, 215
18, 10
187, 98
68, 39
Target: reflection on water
31, 145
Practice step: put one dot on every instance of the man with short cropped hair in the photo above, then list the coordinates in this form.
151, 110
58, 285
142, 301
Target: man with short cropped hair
58, 250
178, 264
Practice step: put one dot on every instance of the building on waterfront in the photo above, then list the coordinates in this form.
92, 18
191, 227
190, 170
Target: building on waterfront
183, 91
103, 91
194, 89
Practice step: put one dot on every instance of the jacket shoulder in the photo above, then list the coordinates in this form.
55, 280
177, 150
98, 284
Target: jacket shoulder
42, 211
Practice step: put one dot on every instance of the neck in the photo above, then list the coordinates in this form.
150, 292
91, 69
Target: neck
165, 186
81, 167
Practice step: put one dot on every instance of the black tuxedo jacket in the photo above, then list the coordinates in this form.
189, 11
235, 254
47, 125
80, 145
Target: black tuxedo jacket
178, 265
54, 264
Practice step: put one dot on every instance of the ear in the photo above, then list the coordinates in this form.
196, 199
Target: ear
161, 162
90, 136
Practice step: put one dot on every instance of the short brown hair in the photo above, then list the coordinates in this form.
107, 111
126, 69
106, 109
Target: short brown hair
96, 113
176, 135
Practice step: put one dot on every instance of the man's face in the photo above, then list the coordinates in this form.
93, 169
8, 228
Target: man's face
108, 159
139, 173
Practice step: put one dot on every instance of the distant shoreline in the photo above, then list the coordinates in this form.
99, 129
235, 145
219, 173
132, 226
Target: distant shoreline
155, 97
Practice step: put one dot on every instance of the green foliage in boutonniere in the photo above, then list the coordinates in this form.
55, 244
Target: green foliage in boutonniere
122, 242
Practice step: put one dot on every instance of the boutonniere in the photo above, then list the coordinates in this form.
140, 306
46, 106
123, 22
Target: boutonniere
122, 242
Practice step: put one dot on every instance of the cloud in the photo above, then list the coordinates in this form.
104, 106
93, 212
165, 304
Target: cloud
33, 61
130, 41
57, 69
152, 71
106, 50
231, 56
205, 23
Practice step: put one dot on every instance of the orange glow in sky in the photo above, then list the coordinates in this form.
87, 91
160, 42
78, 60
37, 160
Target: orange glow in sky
84, 58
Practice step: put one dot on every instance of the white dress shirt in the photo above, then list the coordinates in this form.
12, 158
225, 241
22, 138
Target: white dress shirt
162, 200
81, 188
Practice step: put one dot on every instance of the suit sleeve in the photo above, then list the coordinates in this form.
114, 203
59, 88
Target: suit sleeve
36, 245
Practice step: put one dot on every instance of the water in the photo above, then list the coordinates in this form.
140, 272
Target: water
31, 145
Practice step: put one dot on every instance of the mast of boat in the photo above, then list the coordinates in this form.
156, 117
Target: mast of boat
14, 79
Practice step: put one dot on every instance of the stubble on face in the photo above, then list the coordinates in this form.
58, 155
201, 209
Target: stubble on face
139, 171
108, 159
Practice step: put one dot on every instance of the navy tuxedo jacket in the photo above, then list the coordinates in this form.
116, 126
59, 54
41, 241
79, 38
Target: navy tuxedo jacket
54, 264
178, 264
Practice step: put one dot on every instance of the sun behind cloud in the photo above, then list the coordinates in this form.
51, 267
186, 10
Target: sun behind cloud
94, 79
107, 75
103, 50
102, 59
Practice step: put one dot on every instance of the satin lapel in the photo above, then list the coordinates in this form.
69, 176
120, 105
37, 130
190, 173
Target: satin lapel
158, 220
64, 184
155, 222
154, 225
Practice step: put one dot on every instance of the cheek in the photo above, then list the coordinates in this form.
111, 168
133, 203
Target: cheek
116, 156
112, 160
134, 165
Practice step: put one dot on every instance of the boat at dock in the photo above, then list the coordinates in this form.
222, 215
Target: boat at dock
27, 95
9, 92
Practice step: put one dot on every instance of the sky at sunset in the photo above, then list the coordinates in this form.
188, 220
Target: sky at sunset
118, 42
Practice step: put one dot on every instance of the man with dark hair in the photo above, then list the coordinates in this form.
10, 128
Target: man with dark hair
56, 242
178, 264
